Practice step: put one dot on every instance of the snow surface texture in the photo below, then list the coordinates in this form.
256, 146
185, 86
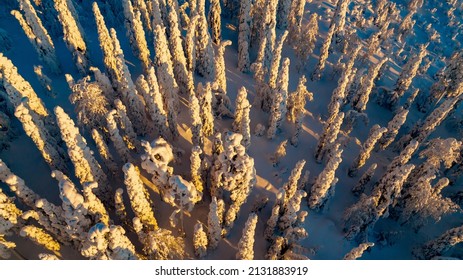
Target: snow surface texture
166, 129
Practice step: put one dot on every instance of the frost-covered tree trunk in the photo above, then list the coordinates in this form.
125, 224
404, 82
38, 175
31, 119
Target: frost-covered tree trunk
244, 35
393, 128
359, 188
323, 188
357, 252
220, 69
329, 136
278, 108
363, 95
35, 129
376, 132
199, 241
37, 35
214, 21
17, 88
442, 244
204, 50
116, 138
87, 169
246, 243
73, 34
139, 199
136, 34
166, 79
214, 228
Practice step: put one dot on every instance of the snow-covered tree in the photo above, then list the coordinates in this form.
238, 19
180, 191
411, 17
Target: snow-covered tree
274, 73
296, 14
166, 79
214, 21
130, 137
234, 172
240, 103
37, 34
273, 219
214, 228
323, 188
196, 169
284, 8
244, 35
87, 169
329, 136
120, 206
17, 88
363, 95
245, 127
136, 34
139, 199
40, 237
205, 103
359, 188
115, 136
409, 72
204, 50
357, 252
199, 240
324, 53
280, 152
376, 132
305, 40
291, 186
393, 128
73, 34
363, 215
90, 103
297, 100
279, 101
149, 89
35, 129
190, 43
246, 243
220, 69
438, 247
183, 77
196, 125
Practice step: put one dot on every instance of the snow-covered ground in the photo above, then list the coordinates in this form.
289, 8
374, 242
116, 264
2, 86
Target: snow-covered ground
326, 238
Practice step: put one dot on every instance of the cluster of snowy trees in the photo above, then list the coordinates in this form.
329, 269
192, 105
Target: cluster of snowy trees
137, 126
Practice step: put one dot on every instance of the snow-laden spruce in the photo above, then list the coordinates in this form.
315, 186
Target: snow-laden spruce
357, 252
359, 188
199, 240
73, 34
440, 245
220, 68
136, 34
204, 49
115, 136
214, 21
323, 188
244, 35
279, 101
376, 132
205, 103
329, 136
139, 199
87, 169
37, 34
304, 40
246, 243
393, 128
214, 227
